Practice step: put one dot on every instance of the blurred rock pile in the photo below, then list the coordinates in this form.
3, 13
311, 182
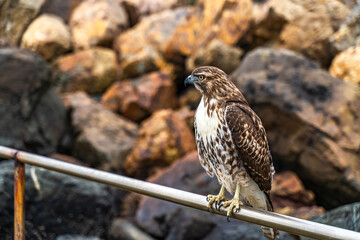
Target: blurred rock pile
100, 83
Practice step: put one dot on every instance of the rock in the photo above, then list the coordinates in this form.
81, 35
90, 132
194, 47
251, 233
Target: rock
310, 24
104, 139
97, 22
125, 230
290, 197
163, 138
191, 98
267, 24
348, 34
167, 220
16, 16
76, 237
148, 7
47, 35
140, 48
311, 120
56, 204
61, 8
343, 217
92, 70
32, 114
225, 20
138, 98
218, 54
346, 65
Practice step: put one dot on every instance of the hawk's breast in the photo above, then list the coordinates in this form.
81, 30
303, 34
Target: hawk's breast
206, 122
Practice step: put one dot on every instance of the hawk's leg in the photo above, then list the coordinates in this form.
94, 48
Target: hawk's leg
217, 199
234, 203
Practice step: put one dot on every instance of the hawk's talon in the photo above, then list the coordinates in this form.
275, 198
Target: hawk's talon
220, 206
217, 199
228, 218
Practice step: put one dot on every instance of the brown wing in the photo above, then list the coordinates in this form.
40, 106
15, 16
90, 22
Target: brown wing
250, 139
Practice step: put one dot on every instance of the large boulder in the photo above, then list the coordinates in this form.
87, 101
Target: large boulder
97, 22
163, 138
91, 70
138, 98
167, 220
346, 217
103, 139
16, 16
141, 48
56, 204
302, 26
311, 118
346, 65
47, 35
310, 24
32, 114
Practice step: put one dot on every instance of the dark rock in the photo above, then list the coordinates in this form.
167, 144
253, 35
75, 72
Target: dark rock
138, 98
56, 204
61, 8
163, 138
32, 114
125, 230
104, 139
311, 119
76, 237
346, 216
167, 220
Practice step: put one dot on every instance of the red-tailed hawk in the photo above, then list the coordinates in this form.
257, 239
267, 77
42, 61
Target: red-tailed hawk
232, 143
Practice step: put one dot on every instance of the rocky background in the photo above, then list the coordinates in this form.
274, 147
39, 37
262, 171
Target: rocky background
100, 83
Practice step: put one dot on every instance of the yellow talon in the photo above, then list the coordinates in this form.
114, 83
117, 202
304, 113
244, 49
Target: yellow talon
217, 199
234, 203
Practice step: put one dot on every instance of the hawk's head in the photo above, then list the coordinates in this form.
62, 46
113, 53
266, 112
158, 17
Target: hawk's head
212, 82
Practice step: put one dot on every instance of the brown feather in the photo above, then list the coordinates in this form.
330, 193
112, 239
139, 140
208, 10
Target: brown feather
247, 129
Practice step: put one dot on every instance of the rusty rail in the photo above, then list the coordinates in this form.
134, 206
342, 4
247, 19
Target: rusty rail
289, 224
19, 199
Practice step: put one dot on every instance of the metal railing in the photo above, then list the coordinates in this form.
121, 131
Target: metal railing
281, 222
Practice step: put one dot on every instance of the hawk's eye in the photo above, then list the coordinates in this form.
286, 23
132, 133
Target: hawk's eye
201, 77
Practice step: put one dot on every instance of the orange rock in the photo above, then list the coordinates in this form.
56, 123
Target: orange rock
346, 65
138, 98
97, 22
227, 20
140, 48
290, 197
91, 70
163, 138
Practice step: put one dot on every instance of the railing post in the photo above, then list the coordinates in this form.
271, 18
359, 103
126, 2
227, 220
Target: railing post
19, 199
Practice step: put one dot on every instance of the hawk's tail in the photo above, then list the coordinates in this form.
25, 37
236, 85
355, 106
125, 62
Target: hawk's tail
269, 233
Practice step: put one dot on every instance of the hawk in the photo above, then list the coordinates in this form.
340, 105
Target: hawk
232, 144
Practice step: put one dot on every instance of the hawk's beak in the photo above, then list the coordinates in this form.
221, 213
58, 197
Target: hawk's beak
189, 80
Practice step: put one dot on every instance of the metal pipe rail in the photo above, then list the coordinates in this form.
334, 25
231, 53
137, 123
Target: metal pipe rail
281, 222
